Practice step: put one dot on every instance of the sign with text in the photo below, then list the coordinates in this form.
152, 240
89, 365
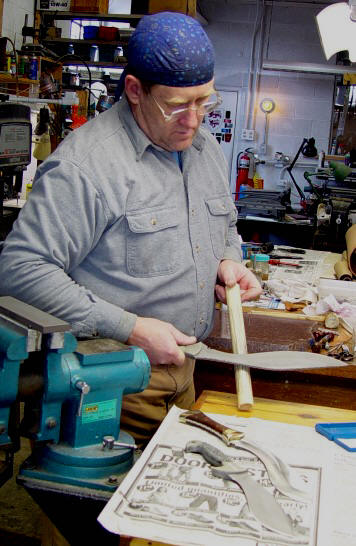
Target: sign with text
54, 5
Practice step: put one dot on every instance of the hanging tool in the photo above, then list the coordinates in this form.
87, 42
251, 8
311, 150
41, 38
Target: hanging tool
261, 503
239, 346
278, 471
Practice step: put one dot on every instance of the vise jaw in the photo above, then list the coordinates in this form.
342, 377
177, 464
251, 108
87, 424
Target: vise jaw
75, 391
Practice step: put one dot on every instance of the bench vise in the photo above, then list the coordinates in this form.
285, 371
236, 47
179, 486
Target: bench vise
72, 395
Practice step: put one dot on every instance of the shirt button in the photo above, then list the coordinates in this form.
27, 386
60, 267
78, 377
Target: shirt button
201, 321
197, 248
193, 212
153, 221
201, 285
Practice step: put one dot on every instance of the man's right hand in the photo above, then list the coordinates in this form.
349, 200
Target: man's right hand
160, 341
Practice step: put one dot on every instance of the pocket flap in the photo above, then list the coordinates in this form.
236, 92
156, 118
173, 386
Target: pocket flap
219, 206
149, 222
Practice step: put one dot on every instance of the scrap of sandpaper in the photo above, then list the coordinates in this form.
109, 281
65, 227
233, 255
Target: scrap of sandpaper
351, 248
341, 268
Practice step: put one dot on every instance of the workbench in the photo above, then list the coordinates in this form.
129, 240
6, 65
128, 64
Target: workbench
334, 387
272, 410
225, 403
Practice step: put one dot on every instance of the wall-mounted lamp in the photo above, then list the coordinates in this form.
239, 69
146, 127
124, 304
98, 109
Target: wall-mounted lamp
337, 29
267, 106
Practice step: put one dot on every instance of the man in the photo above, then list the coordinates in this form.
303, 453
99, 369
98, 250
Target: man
130, 225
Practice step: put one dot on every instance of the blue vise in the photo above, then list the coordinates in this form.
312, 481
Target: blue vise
72, 393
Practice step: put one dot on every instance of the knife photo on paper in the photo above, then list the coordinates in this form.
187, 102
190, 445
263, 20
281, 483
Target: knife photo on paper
278, 471
261, 503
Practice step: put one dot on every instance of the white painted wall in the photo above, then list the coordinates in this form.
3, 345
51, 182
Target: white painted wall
14, 18
304, 101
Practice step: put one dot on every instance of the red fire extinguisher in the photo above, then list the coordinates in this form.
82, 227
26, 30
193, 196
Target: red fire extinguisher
243, 166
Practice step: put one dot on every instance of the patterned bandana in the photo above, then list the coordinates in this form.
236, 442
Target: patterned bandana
171, 49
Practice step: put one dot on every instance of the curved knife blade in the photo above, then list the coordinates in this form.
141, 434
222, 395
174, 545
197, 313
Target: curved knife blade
261, 503
277, 470
270, 360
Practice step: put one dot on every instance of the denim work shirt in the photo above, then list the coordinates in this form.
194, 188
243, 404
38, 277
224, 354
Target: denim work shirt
114, 229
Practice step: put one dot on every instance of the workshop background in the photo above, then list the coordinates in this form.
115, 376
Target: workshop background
264, 50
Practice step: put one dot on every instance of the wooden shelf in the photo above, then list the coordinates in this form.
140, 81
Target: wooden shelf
104, 64
66, 15
82, 40
7, 78
132, 19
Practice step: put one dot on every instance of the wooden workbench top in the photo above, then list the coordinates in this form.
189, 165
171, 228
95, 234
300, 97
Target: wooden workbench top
273, 410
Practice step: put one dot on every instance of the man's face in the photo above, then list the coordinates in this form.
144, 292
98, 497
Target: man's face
176, 134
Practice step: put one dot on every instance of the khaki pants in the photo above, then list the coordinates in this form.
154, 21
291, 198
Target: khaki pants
143, 412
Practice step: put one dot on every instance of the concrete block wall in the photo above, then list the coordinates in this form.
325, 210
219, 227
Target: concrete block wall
14, 18
304, 101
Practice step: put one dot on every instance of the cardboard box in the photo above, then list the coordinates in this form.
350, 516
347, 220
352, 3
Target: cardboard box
183, 6
89, 6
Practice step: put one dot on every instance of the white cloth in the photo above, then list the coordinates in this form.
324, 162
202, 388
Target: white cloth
293, 291
345, 309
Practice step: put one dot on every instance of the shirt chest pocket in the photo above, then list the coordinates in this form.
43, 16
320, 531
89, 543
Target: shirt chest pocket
152, 242
220, 214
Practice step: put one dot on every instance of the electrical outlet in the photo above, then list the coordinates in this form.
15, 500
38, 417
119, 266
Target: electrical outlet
248, 134
263, 149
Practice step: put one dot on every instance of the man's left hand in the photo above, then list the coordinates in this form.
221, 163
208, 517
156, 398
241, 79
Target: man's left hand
230, 273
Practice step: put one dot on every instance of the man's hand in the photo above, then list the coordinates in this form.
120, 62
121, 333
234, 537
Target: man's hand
230, 273
160, 341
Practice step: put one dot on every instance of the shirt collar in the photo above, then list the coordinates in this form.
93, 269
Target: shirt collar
138, 138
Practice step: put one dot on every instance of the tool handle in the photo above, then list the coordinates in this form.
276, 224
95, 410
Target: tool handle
239, 346
199, 419
211, 454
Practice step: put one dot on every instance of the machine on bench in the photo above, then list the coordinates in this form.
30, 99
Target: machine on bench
72, 393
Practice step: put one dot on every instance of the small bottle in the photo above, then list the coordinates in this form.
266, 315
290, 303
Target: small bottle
242, 190
26, 65
8, 63
262, 266
118, 53
13, 65
33, 68
94, 53
28, 189
21, 65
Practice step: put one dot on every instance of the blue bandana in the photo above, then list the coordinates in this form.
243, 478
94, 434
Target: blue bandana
171, 49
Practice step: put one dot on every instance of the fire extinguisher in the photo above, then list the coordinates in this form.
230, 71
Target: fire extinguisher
243, 166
